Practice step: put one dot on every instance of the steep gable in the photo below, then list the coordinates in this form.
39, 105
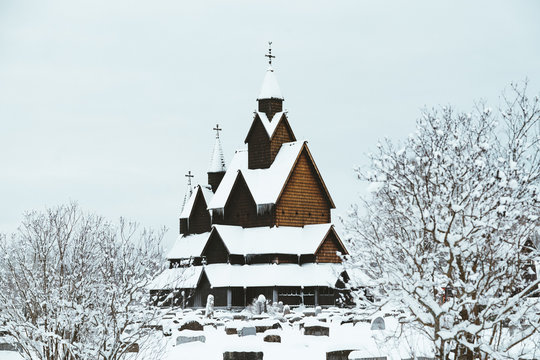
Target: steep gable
304, 199
215, 250
327, 250
258, 141
282, 134
195, 218
241, 208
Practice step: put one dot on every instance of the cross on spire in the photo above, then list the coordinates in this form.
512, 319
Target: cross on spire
189, 176
269, 55
217, 129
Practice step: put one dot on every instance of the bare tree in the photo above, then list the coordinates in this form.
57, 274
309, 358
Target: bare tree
74, 285
447, 232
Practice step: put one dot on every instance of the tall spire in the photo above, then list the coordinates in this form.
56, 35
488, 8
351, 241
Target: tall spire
217, 168
270, 88
189, 190
217, 162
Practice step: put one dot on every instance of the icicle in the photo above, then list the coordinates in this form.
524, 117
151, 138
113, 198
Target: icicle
264, 209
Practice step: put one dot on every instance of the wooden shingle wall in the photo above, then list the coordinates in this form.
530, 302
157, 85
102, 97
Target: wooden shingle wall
327, 251
282, 134
303, 200
241, 209
199, 220
258, 147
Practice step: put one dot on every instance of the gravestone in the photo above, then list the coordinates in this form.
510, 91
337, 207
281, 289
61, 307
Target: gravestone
187, 338
247, 331
316, 330
272, 338
243, 355
378, 324
338, 355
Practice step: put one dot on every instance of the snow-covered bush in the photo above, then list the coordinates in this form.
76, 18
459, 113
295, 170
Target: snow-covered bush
449, 231
73, 286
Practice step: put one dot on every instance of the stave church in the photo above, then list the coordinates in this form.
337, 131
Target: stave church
262, 224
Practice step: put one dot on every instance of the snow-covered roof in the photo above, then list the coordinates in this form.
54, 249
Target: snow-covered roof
270, 88
217, 162
275, 240
177, 278
226, 275
188, 246
188, 207
265, 185
270, 125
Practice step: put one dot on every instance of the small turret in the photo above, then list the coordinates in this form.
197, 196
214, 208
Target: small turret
217, 168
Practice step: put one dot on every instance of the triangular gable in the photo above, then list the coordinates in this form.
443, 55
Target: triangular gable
214, 235
270, 126
240, 181
264, 184
332, 230
317, 172
190, 205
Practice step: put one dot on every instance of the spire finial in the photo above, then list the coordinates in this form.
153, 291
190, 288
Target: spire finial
217, 129
189, 176
269, 55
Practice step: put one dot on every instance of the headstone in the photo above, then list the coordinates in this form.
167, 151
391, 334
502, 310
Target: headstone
286, 310
318, 310
316, 330
338, 355
247, 331
378, 324
187, 338
192, 325
260, 305
243, 355
272, 338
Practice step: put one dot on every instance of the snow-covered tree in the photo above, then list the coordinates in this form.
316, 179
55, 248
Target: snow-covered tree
449, 230
73, 285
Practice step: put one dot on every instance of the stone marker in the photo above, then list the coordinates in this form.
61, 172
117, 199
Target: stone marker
192, 325
247, 331
316, 330
184, 339
378, 324
318, 310
286, 310
272, 338
338, 355
243, 355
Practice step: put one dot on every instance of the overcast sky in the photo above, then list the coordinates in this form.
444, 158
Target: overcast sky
110, 103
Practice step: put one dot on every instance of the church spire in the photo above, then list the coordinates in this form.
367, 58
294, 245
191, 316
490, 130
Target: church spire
217, 168
270, 99
189, 190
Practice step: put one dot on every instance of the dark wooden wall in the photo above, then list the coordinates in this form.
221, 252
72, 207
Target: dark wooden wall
258, 146
270, 107
327, 251
199, 220
282, 134
214, 179
215, 251
241, 208
303, 200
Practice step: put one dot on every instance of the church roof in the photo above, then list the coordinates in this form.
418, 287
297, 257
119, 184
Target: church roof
265, 185
262, 275
177, 278
274, 240
217, 162
270, 87
187, 246
188, 206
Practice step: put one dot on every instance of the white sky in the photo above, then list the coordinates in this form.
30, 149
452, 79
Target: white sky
110, 103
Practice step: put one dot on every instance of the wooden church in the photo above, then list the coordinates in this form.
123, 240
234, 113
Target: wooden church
262, 225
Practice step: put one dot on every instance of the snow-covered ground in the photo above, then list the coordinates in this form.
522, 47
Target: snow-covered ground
348, 330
